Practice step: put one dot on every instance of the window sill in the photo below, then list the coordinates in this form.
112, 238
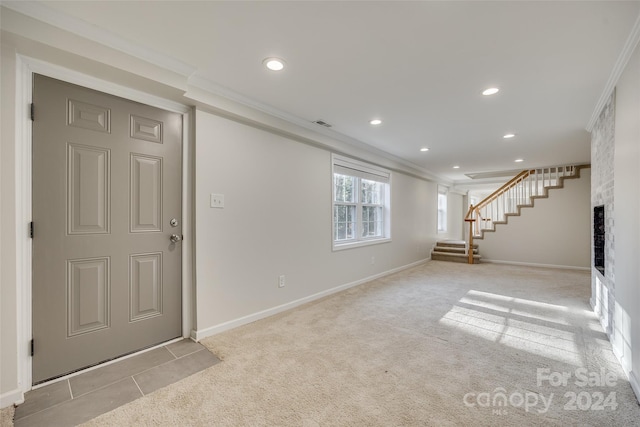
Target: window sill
360, 243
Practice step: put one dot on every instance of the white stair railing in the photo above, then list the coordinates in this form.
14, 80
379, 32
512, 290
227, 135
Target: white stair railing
518, 192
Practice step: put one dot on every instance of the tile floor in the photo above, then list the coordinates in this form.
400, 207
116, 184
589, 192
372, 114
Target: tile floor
80, 398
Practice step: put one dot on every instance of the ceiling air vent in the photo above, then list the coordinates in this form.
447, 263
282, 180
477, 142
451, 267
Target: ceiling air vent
322, 123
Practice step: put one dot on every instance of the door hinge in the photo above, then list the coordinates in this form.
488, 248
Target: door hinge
33, 112
31, 229
32, 348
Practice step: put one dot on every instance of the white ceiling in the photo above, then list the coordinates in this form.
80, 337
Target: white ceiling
418, 66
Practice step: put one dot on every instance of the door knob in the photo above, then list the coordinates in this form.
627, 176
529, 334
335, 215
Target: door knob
175, 238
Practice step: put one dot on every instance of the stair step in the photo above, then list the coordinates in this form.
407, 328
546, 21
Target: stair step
456, 250
445, 256
453, 244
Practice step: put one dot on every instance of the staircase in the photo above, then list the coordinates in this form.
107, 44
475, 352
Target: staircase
454, 251
520, 192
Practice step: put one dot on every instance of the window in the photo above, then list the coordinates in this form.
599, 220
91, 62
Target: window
361, 203
442, 209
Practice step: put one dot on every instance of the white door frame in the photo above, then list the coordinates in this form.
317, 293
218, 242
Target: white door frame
26, 67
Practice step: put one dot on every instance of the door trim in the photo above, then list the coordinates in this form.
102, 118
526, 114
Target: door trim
25, 68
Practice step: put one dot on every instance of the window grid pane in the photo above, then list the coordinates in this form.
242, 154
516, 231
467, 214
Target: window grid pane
371, 192
344, 219
344, 188
372, 221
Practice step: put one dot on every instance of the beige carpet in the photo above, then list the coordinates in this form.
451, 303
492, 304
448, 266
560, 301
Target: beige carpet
433, 345
6, 416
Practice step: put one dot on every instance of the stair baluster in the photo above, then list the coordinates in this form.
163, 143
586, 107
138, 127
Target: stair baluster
509, 199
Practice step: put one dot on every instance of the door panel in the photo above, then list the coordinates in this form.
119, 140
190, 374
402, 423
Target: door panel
146, 193
88, 286
87, 116
88, 190
106, 183
145, 286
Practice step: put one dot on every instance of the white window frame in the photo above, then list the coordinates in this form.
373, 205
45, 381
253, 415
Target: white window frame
360, 170
442, 214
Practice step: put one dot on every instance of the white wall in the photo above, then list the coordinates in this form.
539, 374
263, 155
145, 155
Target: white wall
277, 220
555, 232
625, 337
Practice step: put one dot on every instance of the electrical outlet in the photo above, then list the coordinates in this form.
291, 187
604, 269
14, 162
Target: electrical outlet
281, 281
217, 201
373, 260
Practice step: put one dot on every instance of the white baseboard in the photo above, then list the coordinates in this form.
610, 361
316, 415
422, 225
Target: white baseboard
13, 397
231, 324
532, 264
618, 354
635, 384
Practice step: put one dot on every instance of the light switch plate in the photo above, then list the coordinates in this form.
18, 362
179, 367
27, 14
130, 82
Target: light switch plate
217, 200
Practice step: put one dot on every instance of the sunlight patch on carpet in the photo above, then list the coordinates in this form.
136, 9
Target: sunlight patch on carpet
539, 328
513, 309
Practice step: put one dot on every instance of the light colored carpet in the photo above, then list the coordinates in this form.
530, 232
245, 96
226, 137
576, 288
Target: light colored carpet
405, 350
6, 416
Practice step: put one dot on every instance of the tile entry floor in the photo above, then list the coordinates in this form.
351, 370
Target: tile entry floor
80, 398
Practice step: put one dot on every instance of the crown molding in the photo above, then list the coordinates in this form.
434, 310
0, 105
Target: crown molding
618, 69
42, 12
202, 84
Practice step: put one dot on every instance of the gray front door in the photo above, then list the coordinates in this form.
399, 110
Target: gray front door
106, 201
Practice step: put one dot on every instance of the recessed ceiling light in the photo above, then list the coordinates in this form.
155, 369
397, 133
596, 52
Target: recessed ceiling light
424, 149
274, 64
490, 91
509, 135
375, 122
456, 167
519, 160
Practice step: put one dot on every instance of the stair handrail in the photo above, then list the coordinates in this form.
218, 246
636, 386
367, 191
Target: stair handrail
473, 220
507, 186
524, 185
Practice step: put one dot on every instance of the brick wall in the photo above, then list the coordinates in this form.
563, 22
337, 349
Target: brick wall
602, 180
